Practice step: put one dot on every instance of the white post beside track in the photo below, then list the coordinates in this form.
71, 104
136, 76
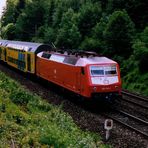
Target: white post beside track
108, 125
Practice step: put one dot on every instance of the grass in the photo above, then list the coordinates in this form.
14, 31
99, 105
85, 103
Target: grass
26, 120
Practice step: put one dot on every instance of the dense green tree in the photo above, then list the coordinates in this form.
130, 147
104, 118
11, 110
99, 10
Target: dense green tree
90, 44
90, 14
68, 34
141, 50
45, 34
119, 34
49, 6
96, 40
8, 32
30, 20
61, 8
9, 13
135, 69
98, 35
12, 11
137, 10
115, 5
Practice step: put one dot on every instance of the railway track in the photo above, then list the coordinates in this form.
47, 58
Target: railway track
126, 92
135, 99
130, 121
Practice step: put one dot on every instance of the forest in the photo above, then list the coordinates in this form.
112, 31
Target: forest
117, 29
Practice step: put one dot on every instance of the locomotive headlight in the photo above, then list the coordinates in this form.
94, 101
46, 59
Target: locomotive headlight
116, 87
95, 89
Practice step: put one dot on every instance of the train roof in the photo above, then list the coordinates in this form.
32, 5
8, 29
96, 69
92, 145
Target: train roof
75, 60
25, 46
94, 60
3, 42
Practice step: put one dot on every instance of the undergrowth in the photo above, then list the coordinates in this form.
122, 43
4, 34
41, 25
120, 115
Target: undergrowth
134, 80
26, 120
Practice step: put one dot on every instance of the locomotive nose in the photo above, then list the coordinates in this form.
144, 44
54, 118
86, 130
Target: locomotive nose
105, 81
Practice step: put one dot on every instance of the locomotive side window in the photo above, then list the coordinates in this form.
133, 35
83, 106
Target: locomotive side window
70, 60
57, 58
46, 55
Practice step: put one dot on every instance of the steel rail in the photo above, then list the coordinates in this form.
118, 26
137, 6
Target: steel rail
129, 126
140, 105
134, 95
134, 117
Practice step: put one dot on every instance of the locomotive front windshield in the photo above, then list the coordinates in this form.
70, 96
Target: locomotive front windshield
103, 70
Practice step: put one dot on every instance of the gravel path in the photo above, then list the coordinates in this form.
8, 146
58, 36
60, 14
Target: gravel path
86, 119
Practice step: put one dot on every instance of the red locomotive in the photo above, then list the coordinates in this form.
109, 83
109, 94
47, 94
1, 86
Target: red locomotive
84, 73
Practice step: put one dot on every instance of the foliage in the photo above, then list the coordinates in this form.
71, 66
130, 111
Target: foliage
89, 15
10, 13
90, 44
135, 69
68, 32
141, 51
136, 9
9, 31
96, 40
29, 121
44, 34
119, 33
33, 14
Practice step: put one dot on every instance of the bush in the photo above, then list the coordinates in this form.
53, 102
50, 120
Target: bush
20, 97
143, 63
36, 104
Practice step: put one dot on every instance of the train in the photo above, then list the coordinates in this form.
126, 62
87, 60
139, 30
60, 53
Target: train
81, 72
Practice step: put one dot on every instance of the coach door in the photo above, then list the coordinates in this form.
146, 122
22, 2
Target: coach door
3, 54
29, 62
0, 53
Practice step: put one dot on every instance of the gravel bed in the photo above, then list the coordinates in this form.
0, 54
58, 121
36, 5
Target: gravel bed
86, 119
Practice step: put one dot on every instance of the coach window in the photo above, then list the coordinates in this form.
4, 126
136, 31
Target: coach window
0, 51
29, 62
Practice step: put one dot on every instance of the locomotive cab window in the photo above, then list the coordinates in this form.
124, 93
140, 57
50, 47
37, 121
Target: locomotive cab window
111, 70
103, 70
96, 71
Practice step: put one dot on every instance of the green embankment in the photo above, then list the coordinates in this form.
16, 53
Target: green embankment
26, 120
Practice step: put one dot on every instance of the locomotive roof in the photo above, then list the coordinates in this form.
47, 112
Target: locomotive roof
25, 46
75, 60
94, 60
